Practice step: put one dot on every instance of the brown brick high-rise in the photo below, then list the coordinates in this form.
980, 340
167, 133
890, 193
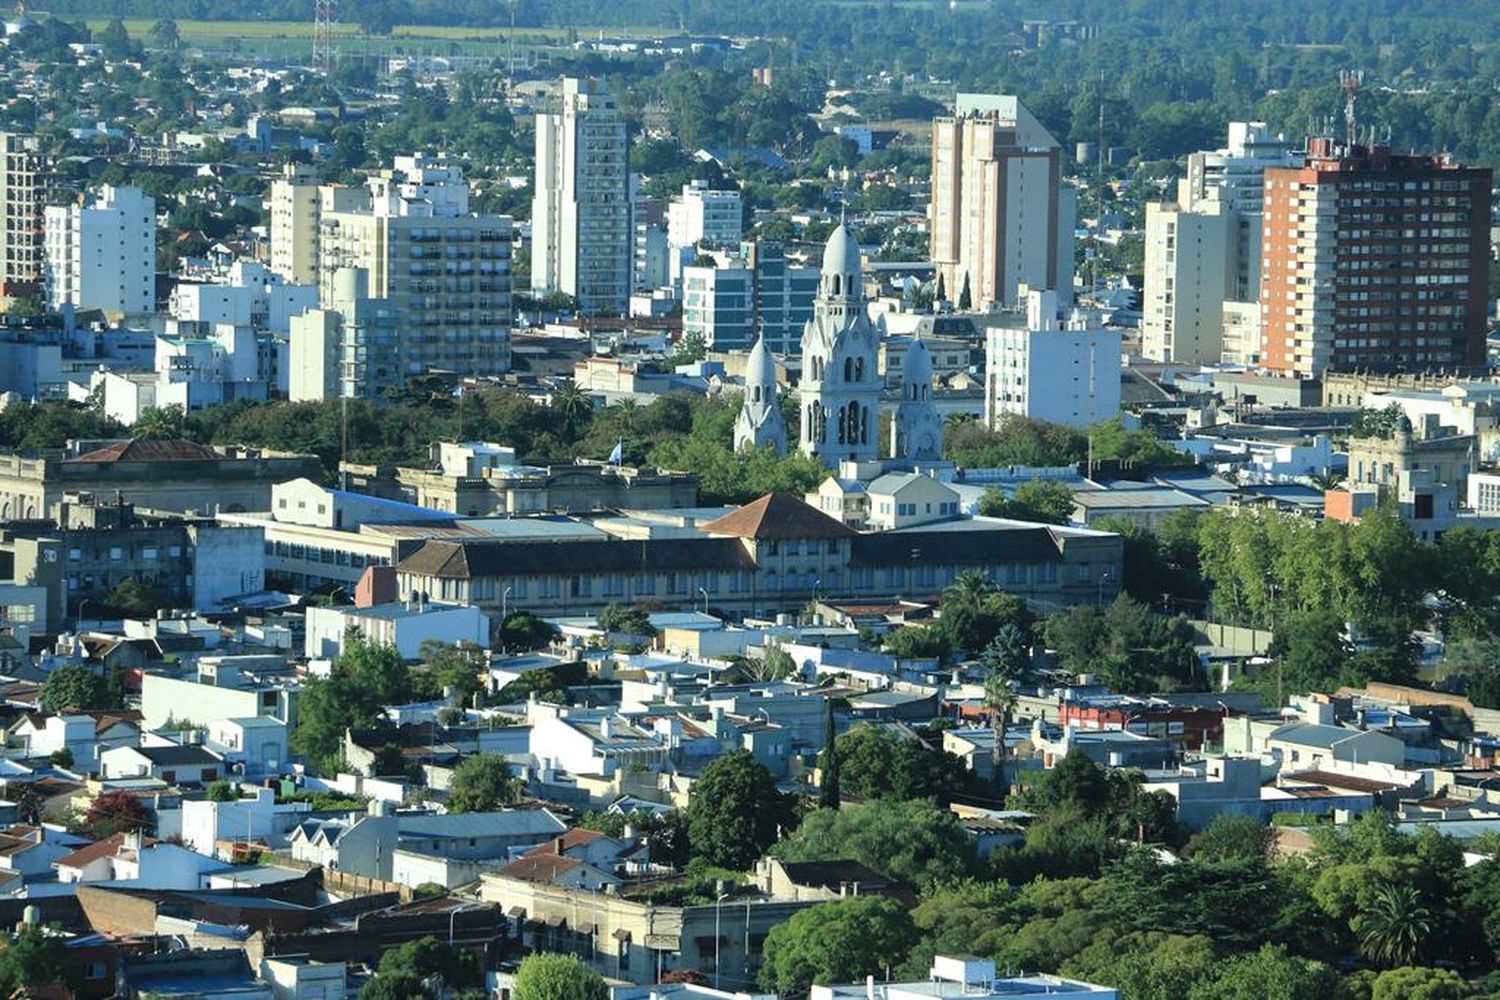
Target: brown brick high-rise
1373, 260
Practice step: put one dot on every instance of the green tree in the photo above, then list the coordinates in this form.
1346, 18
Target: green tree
134, 599
522, 631
115, 40
164, 34
625, 621
34, 956
1269, 972
365, 678
159, 422
1393, 931
907, 840
735, 811
875, 763
427, 957
482, 782
837, 942
1004, 661
1232, 838
544, 976
830, 792
1043, 501
75, 687
918, 642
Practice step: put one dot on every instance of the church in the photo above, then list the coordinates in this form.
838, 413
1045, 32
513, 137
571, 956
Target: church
839, 395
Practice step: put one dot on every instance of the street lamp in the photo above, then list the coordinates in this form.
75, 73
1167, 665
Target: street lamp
453, 916
718, 900
705, 599
504, 604
1105, 577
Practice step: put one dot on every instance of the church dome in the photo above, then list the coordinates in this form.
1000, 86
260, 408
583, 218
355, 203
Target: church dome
916, 370
841, 253
760, 369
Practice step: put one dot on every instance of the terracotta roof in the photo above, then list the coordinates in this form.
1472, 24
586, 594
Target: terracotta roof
151, 450
778, 516
576, 837
542, 868
106, 848
1345, 781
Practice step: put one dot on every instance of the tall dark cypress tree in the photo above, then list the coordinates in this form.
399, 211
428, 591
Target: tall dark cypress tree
828, 791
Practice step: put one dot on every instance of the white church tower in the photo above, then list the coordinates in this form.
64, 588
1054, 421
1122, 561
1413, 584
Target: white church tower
760, 423
840, 393
917, 430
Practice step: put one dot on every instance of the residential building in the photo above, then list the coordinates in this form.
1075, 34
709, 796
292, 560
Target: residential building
188, 765
1374, 260
295, 206
159, 474
405, 625
755, 290
1378, 459
444, 271
772, 555
101, 252
253, 746
222, 689
904, 499
840, 390
351, 347
969, 978
718, 306
247, 295
1063, 372
999, 217
701, 218
581, 232
22, 252
1203, 253
784, 294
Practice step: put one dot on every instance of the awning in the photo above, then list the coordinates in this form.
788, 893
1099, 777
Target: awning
555, 920
516, 911
621, 934
584, 929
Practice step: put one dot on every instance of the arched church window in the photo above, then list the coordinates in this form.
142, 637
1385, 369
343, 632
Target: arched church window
859, 369
848, 369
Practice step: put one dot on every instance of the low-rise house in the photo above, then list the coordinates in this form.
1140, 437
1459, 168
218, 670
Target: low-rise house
296, 977
128, 857
185, 765
1243, 786
972, 979
822, 881
903, 499
29, 852
562, 871
252, 746
404, 625
82, 734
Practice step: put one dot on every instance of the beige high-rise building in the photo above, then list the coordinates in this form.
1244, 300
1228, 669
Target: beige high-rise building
582, 239
1203, 253
444, 271
1000, 217
294, 224
21, 219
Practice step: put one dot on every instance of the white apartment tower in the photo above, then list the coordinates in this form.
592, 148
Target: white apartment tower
21, 249
294, 224
1000, 216
581, 233
101, 252
443, 271
701, 217
1203, 253
1062, 372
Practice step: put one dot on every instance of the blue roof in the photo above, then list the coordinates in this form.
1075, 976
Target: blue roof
394, 506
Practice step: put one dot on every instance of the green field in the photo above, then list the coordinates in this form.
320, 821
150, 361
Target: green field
255, 35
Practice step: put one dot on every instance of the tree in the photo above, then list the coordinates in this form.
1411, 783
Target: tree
875, 763
543, 976
113, 812
75, 687
626, 621
1419, 984
829, 793
1004, 662
400, 985
164, 34
1043, 501
906, 840
965, 297
427, 957
365, 678
34, 957
918, 642
159, 422
837, 942
1232, 838
134, 599
115, 40
1268, 972
522, 631
735, 811
1394, 930
482, 782
223, 791
573, 407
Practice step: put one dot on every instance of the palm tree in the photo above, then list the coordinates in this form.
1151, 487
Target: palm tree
572, 406
1394, 929
159, 422
626, 410
968, 588
1005, 660
1327, 480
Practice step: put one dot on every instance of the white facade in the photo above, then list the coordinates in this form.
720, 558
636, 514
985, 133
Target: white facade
21, 249
1064, 374
759, 422
250, 295
718, 306
350, 347
404, 626
101, 252
840, 390
700, 216
581, 231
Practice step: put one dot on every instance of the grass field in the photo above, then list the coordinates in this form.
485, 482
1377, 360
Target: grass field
219, 34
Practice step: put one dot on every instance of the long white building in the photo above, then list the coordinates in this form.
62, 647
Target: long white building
582, 239
101, 252
1063, 372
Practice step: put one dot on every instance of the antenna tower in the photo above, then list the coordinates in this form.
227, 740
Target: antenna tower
1350, 80
325, 17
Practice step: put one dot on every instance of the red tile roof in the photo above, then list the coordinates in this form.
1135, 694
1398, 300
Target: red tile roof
106, 848
778, 516
577, 837
542, 868
152, 450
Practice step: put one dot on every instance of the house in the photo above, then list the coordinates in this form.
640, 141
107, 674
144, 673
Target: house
81, 734
255, 816
593, 743
128, 857
561, 871
296, 977
903, 499
972, 979
822, 881
403, 625
187, 765
29, 852
252, 746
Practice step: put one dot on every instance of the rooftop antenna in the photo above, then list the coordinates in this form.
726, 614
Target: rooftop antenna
325, 17
1350, 80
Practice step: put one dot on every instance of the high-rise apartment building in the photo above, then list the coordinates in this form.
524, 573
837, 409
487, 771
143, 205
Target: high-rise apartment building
582, 238
1063, 371
444, 271
1000, 216
350, 347
101, 252
21, 225
754, 293
294, 224
701, 217
1202, 253
1373, 260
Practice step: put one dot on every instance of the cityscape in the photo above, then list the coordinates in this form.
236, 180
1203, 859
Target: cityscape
701, 500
